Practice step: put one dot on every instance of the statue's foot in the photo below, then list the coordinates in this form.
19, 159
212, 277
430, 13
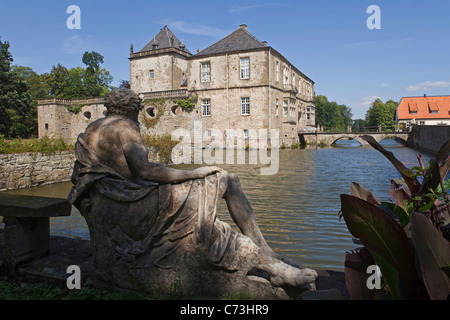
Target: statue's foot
282, 274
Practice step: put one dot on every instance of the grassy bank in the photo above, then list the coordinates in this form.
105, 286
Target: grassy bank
44, 144
162, 144
12, 290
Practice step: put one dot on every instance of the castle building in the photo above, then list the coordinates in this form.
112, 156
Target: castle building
239, 82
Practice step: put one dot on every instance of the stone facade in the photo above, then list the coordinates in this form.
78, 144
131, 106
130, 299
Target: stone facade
235, 73
24, 170
237, 83
67, 118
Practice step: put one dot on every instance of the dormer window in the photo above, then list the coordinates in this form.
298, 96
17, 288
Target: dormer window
433, 108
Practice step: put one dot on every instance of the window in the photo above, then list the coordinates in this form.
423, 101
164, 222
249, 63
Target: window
292, 111
276, 107
245, 106
206, 72
206, 107
245, 68
285, 108
246, 133
152, 74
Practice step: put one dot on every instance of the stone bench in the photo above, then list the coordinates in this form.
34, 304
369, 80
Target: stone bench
27, 226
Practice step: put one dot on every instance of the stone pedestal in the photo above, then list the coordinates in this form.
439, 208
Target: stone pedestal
27, 230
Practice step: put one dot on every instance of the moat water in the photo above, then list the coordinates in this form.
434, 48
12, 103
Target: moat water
297, 209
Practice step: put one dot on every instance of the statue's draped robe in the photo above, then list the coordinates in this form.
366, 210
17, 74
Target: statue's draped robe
147, 225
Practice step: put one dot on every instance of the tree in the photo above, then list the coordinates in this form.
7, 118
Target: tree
16, 104
38, 87
381, 114
57, 80
96, 81
331, 115
74, 87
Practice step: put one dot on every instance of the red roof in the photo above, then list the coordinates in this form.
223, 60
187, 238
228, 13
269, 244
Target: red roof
437, 107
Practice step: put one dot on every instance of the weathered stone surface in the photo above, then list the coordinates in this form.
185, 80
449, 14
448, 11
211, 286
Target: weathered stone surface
153, 227
24, 170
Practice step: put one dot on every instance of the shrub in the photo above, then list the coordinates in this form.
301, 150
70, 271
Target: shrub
409, 238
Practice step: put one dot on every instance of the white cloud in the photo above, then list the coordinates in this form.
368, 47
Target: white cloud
427, 85
360, 108
74, 45
236, 9
195, 29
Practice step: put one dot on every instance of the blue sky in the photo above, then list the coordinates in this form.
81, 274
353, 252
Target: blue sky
327, 40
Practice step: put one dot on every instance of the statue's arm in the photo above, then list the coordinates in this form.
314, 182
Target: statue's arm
136, 154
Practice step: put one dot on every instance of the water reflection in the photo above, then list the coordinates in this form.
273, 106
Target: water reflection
297, 209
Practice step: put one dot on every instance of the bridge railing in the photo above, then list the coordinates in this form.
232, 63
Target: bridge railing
374, 129
361, 129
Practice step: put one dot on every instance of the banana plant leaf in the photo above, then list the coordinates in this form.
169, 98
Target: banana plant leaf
356, 263
399, 195
433, 252
412, 183
382, 235
360, 192
444, 150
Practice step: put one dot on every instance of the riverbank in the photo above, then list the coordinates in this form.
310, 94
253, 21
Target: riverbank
50, 271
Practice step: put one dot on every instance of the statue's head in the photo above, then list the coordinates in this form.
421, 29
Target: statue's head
122, 102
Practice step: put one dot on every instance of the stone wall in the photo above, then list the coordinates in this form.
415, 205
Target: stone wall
429, 138
55, 118
24, 170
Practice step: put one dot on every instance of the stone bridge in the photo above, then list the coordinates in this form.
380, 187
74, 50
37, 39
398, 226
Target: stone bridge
327, 139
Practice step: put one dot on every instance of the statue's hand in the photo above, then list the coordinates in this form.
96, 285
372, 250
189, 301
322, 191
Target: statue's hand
206, 171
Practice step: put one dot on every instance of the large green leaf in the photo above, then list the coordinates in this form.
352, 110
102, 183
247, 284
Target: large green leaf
433, 252
399, 195
359, 191
356, 263
390, 276
413, 184
381, 234
443, 151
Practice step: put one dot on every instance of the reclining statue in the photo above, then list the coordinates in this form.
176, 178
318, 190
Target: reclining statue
152, 226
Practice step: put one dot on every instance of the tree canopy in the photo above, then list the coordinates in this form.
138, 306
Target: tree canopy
21, 87
332, 116
381, 114
17, 112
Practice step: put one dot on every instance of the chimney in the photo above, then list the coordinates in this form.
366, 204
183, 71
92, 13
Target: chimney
243, 26
424, 95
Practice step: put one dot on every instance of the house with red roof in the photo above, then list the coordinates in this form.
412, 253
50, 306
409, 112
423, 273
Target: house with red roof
426, 110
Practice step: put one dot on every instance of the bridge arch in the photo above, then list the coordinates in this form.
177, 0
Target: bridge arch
401, 139
329, 138
347, 137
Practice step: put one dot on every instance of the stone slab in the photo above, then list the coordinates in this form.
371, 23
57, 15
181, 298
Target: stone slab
24, 206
